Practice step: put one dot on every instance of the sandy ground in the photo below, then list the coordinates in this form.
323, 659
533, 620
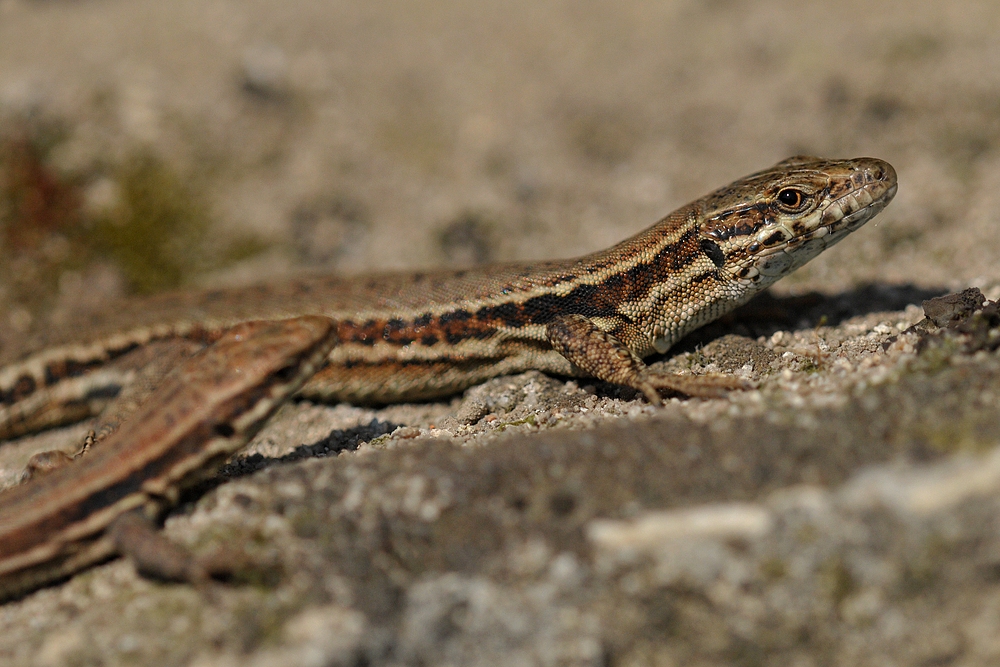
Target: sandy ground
841, 514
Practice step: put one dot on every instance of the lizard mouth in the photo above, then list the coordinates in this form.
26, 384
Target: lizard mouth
849, 212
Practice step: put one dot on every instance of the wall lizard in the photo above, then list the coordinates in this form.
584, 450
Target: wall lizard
389, 338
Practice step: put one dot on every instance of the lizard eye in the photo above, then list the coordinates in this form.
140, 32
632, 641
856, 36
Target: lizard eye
791, 199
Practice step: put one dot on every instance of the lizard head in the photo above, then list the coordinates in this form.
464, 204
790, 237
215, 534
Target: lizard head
770, 223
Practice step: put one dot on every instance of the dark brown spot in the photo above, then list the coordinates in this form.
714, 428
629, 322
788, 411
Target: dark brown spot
713, 252
365, 334
286, 373
224, 430
397, 331
774, 239
25, 386
454, 316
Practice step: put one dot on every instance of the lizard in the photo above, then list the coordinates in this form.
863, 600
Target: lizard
399, 337
426, 335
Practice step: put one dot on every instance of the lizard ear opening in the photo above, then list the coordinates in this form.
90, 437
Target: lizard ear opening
713, 252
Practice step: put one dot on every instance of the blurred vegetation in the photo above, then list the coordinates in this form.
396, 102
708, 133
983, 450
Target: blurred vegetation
154, 230
40, 216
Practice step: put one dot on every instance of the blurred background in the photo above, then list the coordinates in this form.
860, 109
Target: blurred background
147, 145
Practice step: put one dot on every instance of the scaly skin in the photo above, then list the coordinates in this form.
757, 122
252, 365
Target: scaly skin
423, 335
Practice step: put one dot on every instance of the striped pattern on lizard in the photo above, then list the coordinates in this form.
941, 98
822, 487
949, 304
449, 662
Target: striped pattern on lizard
425, 335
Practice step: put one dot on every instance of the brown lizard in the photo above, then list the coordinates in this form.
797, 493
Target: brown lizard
424, 335
408, 336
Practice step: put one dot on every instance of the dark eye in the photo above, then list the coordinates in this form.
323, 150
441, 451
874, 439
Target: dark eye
791, 198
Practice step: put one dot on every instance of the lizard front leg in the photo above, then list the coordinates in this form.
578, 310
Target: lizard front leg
601, 355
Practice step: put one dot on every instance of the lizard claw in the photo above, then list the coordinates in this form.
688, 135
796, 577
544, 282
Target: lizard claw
695, 386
